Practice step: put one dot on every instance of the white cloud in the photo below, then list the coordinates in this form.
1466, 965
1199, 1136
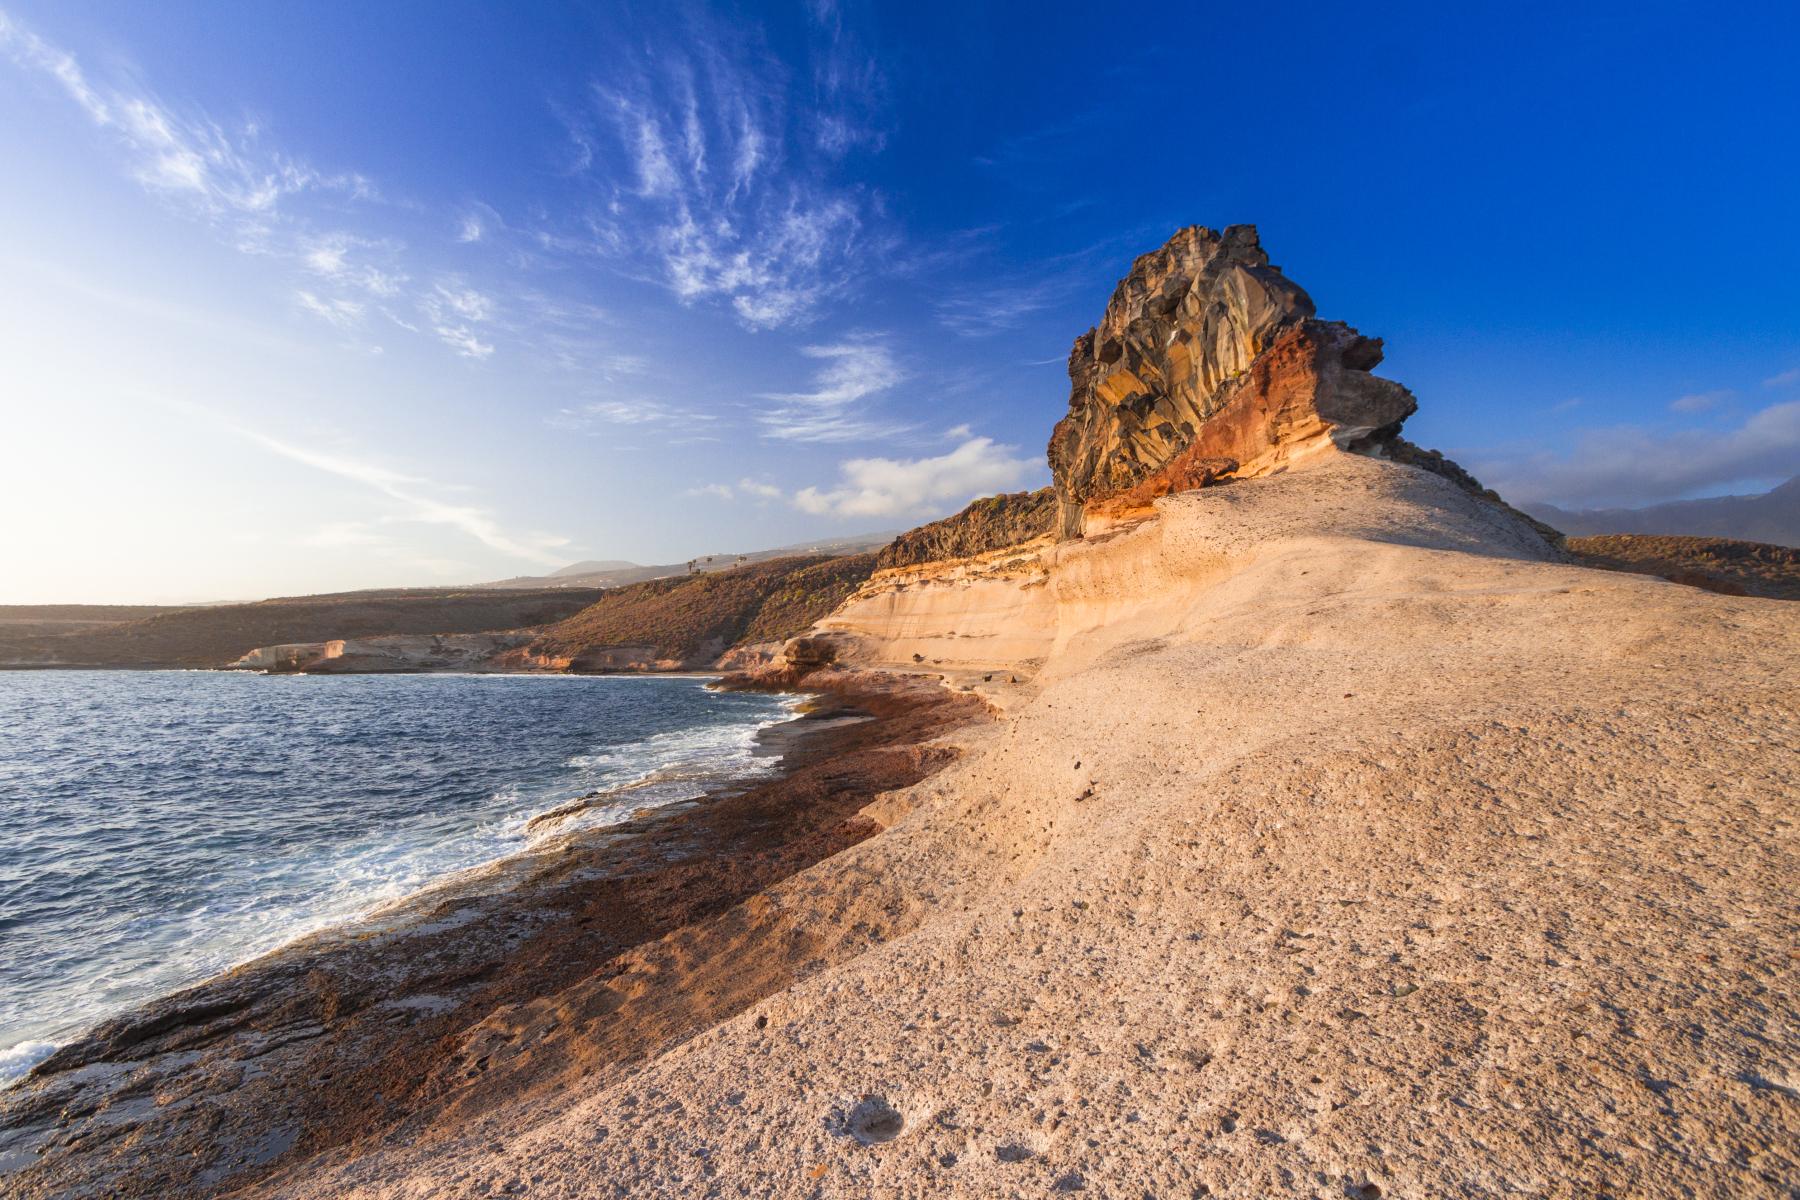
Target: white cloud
885, 487
415, 506
851, 372
470, 230
257, 197
715, 184
453, 311
222, 174
329, 256
339, 312
758, 490
1639, 465
637, 411
1784, 379
982, 312
613, 412
749, 489
464, 302
1699, 402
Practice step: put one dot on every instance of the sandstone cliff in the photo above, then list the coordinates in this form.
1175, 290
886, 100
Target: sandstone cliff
1208, 362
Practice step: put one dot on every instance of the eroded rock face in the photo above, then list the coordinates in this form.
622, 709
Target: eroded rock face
990, 523
1208, 354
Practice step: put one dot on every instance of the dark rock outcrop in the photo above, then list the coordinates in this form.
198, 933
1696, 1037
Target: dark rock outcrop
1725, 565
1207, 352
991, 523
689, 621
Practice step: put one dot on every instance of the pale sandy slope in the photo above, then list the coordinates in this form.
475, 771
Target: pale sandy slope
1404, 861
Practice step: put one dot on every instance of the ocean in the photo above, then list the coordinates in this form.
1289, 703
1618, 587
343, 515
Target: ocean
158, 827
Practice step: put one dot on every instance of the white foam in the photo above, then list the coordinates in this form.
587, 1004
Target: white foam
280, 899
20, 1057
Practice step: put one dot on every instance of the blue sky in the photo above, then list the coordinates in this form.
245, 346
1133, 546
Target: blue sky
338, 295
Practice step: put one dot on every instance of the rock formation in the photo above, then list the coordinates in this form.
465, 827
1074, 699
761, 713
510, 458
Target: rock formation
1208, 362
990, 523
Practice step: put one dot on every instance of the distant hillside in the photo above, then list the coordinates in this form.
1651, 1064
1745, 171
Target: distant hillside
594, 567
1717, 564
1773, 517
615, 573
692, 619
219, 634
35, 620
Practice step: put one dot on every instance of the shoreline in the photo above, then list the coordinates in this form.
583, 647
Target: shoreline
618, 802
275, 1056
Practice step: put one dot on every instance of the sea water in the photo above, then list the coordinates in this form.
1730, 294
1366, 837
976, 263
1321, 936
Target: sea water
158, 827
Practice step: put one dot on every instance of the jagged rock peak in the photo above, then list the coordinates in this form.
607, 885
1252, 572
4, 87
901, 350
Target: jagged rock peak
1208, 362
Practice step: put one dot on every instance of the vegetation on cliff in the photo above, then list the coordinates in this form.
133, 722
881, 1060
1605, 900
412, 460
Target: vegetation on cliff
990, 523
1734, 568
701, 616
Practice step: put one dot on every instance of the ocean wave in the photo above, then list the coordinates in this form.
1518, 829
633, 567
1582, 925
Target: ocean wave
216, 832
16, 1060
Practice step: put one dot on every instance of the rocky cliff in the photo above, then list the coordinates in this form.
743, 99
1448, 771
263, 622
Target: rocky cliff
1208, 363
690, 621
990, 523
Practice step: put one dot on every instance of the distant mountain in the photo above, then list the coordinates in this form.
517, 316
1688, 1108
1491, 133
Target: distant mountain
618, 574
596, 566
216, 635
1772, 517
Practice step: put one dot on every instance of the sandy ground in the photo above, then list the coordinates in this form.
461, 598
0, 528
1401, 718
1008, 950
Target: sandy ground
381, 1028
1388, 857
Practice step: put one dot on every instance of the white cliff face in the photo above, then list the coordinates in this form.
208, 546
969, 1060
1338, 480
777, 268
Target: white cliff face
396, 652
1046, 606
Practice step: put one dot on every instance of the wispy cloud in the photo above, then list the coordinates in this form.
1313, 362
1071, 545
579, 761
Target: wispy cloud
1785, 379
636, 411
271, 204
885, 487
748, 489
676, 424
336, 311
705, 181
454, 312
414, 503
340, 258
225, 175
832, 411
1637, 464
981, 312
1699, 402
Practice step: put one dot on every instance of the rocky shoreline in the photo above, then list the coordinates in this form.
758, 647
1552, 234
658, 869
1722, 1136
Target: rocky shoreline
371, 1032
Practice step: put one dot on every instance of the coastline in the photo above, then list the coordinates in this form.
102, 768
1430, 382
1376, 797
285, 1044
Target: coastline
278, 1057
